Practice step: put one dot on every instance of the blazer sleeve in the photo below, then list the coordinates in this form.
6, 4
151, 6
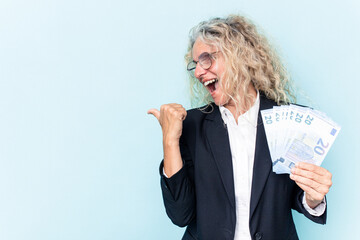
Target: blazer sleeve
178, 190
298, 206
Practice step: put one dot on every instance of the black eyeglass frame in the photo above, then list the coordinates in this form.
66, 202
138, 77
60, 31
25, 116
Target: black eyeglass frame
203, 57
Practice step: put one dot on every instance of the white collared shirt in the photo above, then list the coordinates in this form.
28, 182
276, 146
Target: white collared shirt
242, 138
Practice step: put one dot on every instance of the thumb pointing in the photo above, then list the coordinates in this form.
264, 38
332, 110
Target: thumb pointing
154, 112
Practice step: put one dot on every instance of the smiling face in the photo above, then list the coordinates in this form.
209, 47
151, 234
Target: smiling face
210, 77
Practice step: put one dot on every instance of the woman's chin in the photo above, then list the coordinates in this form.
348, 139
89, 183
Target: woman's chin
220, 101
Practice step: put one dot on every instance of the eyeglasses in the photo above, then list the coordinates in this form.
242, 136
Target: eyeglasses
204, 60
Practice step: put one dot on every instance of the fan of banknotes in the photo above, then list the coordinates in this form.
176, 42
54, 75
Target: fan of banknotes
297, 134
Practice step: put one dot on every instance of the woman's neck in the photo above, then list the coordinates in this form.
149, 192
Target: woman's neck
244, 108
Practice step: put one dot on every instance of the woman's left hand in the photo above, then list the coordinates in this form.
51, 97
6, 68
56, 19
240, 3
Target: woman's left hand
314, 180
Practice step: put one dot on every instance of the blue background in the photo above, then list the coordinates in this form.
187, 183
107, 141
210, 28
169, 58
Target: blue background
79, 155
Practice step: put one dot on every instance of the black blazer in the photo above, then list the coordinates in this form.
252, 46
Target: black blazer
201, 194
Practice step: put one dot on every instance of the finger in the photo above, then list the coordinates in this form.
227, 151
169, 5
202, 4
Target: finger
322, 179
305, 173
176, 105
180, 114
183, 114
311, 192
310, 184
175, 109
154, 112
312, 168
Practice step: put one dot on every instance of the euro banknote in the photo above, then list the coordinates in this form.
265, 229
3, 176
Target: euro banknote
297, 134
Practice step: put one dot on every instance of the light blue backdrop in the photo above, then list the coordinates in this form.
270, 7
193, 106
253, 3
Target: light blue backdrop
79, 156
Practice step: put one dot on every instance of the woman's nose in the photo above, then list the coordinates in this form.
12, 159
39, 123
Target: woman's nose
199, 71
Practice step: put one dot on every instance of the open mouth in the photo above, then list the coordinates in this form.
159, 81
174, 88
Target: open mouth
211, 85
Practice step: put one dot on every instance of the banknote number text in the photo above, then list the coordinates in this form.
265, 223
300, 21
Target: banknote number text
268, 120
298, 117
319, 149
309, 120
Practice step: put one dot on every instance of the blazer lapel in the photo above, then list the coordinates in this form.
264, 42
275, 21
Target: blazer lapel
218, 139
262, 161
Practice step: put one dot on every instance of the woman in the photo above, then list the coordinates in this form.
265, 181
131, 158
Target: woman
216, 175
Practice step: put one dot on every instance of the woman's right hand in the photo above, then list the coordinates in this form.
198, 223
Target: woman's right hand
171, 117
